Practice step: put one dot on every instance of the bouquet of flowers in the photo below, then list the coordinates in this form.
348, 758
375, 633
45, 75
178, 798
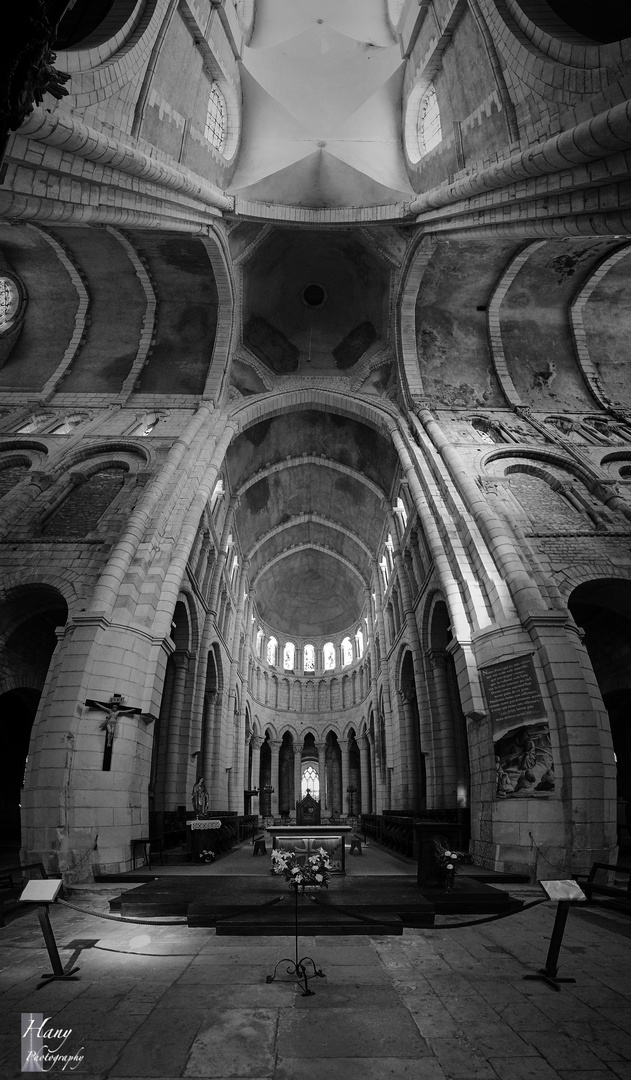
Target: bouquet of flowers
206, 856
447, 861
300, 871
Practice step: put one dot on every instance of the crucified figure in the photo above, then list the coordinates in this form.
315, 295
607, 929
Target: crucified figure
113, 709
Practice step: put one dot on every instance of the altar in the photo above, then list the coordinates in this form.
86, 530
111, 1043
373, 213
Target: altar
306, 840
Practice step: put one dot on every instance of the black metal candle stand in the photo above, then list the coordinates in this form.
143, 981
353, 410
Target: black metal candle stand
297, 966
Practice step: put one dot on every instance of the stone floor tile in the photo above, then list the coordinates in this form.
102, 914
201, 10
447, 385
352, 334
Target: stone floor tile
235, 996
347, 996
149, 1053
561, 1051
223, 975
235, 1042
528, 1068
370, 1032
459, 1061
621, 1070
427, 1068
497, 1040
358, 957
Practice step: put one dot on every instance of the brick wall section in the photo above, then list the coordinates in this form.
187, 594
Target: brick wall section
79, 513
11, 476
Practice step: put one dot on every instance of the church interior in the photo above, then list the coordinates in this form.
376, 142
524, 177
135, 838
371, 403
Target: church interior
315, 514
315, 426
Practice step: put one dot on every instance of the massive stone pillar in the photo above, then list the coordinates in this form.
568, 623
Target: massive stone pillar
297, 775
275, 745
175, 793
364, 795
444, 765
255, 776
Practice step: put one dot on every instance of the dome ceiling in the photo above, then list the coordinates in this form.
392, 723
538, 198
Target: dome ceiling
314, 302
321, 84
312, 490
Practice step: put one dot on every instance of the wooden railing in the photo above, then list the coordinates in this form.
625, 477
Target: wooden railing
398, 830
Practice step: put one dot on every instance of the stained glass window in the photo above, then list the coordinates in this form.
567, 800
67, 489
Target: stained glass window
329, 656
289, 654
347, 652
311, 781
309, 658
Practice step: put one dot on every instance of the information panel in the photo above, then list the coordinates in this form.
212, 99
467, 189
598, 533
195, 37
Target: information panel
512, 691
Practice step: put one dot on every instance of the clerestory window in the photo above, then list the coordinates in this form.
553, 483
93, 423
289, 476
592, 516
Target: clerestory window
216, 118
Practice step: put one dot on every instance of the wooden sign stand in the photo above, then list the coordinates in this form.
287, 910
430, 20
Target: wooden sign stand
566, 893
43, 893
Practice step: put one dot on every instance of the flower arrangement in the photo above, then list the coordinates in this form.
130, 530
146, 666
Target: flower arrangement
313, 870
447, 861
206, 856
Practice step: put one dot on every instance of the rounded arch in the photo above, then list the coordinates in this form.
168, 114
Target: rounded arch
30, 616
382, 417
134, 455
533, 458
38, 451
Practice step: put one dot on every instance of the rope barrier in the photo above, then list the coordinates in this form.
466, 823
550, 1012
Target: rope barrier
125, 918
270, 903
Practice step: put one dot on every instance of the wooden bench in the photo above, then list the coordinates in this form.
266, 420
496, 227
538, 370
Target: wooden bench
620, 896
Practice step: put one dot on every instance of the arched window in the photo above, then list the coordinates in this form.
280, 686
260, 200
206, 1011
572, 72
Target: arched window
385, 570
328, 653
68, 424
146, 425
310, 782
216, 118
272, 652
216, 495
289, 656
401, 512
359, 642
233, 571
390, 552
35, 423
428, 123
347, 652
259, 641
308, 659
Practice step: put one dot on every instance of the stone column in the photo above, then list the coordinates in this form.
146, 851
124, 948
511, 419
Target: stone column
388, 755
176, 740
297, 772
444, 757
344, 754
275, 780
255, 778
321, 748
364, 800
221, 558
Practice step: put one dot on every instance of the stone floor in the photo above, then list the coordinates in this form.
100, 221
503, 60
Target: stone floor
167, 1001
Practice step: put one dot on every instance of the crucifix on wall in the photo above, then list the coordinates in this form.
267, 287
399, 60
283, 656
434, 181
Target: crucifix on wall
113, 710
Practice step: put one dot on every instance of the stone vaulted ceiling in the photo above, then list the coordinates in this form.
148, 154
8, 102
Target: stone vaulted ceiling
321, 87
312, 488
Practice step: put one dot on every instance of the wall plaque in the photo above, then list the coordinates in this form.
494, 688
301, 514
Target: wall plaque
512, 691
521, 735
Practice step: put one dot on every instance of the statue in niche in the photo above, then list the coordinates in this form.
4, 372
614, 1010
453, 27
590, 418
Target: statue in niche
200, 797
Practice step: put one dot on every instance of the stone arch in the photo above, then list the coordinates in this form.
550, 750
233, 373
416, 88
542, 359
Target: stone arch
601, 606
30, 616
448, 774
